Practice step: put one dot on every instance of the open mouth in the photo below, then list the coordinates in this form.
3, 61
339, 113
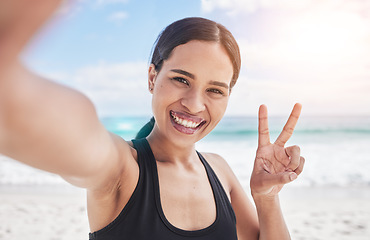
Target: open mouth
185, 123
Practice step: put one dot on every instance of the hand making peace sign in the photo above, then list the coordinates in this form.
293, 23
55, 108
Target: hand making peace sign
275, 165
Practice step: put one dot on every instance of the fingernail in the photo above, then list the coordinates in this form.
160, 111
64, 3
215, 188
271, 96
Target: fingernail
293, 176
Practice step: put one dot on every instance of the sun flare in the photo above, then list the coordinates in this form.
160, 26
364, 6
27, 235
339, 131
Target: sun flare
327, 37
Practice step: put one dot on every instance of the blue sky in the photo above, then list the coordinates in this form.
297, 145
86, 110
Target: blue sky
316, 52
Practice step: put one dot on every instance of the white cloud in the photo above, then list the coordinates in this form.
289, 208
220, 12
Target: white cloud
69, 8
119, 88
115, 88
240, 7
249, 6
118, 16
106, 2
274, 76
335, 97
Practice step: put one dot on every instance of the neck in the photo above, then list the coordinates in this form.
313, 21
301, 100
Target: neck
169, 151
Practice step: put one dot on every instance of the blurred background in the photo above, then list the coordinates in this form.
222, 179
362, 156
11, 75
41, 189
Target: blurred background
309, 51
316, 52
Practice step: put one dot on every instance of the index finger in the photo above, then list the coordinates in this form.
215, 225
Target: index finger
263, 127
289, 126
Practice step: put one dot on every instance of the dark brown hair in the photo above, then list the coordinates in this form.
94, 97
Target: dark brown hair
195, 28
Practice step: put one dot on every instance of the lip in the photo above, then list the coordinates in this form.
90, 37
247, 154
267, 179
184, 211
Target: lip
186, 130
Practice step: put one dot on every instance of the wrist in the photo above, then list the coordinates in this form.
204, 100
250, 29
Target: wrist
265, 200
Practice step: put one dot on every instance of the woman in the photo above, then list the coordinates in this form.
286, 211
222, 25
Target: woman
158, 186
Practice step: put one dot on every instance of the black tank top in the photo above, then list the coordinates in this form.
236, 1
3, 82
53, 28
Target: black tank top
143, 219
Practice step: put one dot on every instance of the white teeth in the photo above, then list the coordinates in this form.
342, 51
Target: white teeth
185, 123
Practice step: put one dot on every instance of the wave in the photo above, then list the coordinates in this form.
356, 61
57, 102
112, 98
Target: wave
337, 150
247, 126
297, 131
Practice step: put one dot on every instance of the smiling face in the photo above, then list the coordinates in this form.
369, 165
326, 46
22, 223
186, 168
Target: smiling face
191, 91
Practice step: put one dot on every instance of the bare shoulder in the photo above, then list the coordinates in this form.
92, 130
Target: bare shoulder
222, 170
215, 160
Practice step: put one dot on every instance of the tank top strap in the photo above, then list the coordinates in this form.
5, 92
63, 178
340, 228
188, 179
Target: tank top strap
220, 195
144, 153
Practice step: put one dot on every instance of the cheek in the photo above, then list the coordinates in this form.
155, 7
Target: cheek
222, 104
162, 96
218, 109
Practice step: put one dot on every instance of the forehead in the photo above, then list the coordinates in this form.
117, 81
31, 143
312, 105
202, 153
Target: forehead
205, 60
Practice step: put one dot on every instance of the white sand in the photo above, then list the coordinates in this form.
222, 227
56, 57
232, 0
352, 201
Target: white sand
327, 213
43, 215
311, 213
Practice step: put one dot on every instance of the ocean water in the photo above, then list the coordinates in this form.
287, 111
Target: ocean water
336, 149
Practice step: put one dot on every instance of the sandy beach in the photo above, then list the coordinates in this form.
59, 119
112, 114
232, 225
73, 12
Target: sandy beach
311, 213
327, 213
43, 214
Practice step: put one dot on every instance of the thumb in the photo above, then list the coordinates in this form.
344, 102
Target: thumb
281, 178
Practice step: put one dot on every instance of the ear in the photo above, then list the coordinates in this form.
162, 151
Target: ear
152, 76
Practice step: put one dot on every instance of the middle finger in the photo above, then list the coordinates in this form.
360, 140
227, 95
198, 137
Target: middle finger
289, 126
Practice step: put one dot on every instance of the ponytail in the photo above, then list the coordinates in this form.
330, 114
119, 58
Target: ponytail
146, 129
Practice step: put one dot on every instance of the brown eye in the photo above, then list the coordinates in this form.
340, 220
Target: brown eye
214, 90
181, 80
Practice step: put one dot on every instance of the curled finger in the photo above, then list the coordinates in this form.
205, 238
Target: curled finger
293, 153
301, 165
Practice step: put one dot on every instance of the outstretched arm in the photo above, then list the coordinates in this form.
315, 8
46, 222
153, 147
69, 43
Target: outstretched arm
42, 123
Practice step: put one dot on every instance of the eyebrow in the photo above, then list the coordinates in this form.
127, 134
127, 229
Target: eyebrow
190, 75
220, 84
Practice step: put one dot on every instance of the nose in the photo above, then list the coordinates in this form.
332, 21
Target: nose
193, 101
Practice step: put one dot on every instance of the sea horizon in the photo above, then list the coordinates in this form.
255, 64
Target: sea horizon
336, 149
